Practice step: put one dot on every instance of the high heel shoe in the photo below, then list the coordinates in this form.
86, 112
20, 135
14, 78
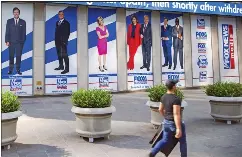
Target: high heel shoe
101, 69
104, 68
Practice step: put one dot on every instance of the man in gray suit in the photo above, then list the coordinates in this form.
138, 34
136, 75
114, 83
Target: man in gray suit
15, 37
177, 33
146, 35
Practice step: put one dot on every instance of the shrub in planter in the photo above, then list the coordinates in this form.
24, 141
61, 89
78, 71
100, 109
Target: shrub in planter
10, 106
155, 93
93, 112
225, 99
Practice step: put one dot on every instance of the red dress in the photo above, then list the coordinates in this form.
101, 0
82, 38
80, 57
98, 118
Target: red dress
133, 44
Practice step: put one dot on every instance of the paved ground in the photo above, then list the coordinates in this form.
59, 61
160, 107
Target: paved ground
47, 129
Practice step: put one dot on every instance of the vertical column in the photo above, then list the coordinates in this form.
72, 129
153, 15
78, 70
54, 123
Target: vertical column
121, 49
82, 47
187, 49
215, 48
156, 47
239, 41
39, 49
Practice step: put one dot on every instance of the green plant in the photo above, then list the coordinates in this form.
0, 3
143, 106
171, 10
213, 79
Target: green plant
156, 92
224, 89
9, 102
94, 98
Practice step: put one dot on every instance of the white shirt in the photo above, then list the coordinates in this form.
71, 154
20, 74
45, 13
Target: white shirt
15, 21
60, 21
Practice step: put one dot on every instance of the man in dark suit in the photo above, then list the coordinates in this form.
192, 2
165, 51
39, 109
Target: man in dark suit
62, 33
177, 33
166, 37
15, 37
146, 35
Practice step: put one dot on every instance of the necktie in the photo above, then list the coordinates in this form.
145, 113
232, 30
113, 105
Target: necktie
16, 22
59, 23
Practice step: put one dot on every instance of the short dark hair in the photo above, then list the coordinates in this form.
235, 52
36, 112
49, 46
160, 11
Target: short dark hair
171, 83
15, 8
165, 18
133, 16
61, 11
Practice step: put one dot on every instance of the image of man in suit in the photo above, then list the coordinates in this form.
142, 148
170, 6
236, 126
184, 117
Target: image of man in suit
177, 33
15, 37
146, 35
62, 33
166, 37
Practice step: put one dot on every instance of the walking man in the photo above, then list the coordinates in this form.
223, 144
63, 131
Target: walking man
166, 37
62, 33
170, 108
146, 35
15, 37
177, 33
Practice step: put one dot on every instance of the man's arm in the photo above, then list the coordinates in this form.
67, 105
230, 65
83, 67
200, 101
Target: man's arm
7, 32
24, 30
67, 32
161, 109
177, 117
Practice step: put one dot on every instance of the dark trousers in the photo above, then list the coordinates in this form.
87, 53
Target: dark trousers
169, 130
15, 48
62, 55
146, 52
178, 49
167, 54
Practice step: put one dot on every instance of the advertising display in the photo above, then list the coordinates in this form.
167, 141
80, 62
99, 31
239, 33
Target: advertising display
17, 48
229, 70
139, 50
102, 49
60, 49
172, 56
202, 56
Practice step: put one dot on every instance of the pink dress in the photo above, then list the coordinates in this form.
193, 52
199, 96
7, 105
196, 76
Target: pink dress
102, 43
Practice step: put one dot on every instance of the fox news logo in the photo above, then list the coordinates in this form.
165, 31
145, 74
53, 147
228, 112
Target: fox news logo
228, 46
140, 80
201, 47
201, 35
200, 23
15, 84
103, 82
62, 83
202, 61
173, 77
202, 76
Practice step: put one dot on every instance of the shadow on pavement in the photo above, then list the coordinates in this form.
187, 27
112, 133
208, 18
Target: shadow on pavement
34, 150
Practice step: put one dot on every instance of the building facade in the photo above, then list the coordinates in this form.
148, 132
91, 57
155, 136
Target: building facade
119, 46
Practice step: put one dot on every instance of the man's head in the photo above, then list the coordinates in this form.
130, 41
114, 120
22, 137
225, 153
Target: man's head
61, 15
171, 84
16, 12
146, 19
165, 21
177, 21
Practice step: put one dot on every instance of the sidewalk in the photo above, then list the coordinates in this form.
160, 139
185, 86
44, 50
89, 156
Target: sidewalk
47, 129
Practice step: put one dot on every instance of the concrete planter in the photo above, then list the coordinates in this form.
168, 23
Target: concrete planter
226, 108
93, 122
9, 127
156, 117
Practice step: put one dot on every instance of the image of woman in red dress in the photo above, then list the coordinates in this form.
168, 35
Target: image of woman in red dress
133, 40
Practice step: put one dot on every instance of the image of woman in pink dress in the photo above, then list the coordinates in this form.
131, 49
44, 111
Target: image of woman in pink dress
102, 33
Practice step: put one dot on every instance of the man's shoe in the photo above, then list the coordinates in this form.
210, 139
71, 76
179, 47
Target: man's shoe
174, 68
19, 72
169, 67
10, 72
142, 67
59, 68
148, 69
65, 71
150, 155
164, 65
181, 67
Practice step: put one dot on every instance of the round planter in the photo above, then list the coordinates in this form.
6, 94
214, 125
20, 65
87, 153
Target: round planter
226, 108
9, 127
156, 117
93, 122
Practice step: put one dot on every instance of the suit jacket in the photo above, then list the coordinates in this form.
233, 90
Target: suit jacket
137, 37
62, 32
166, 33
15, 33
147, 34
176, 40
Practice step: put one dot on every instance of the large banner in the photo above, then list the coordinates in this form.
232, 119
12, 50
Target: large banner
17, 48
139, 48
172, 47
60, 49
202, 56
228, 49
102, 49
